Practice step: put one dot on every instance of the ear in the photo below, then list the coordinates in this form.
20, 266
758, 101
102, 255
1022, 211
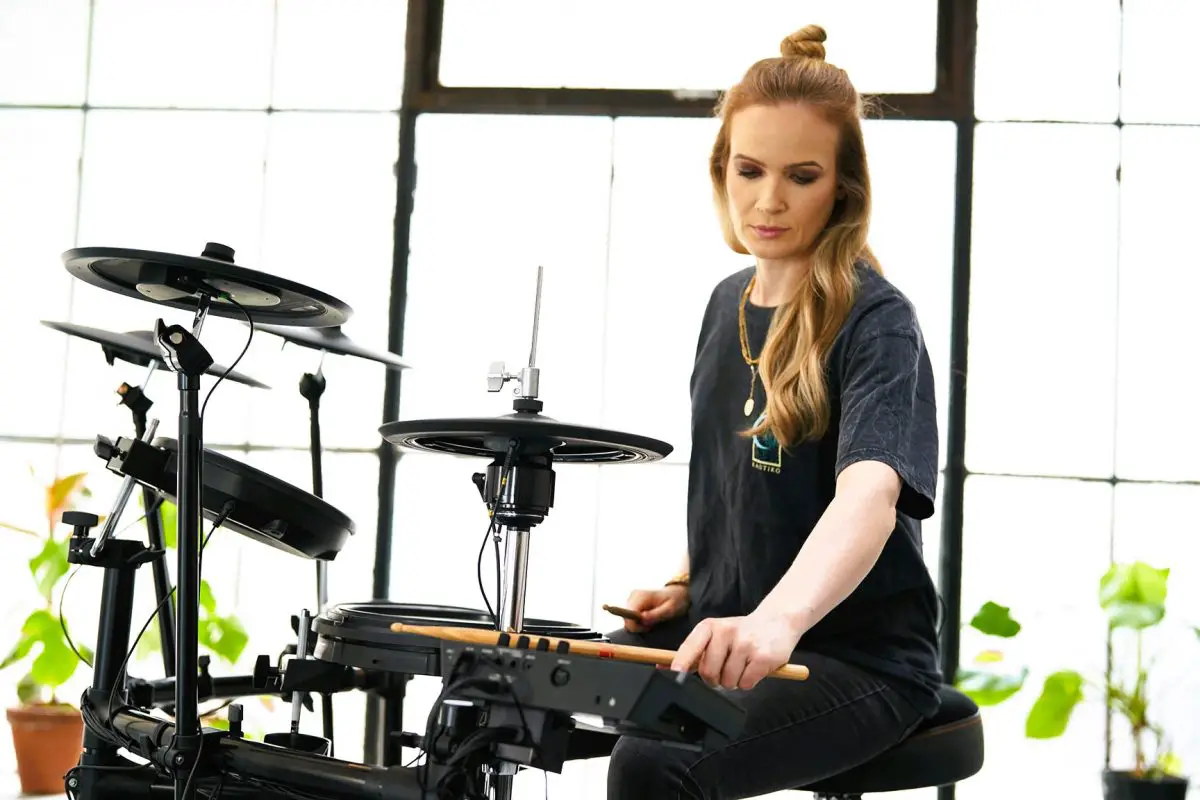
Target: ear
841, 192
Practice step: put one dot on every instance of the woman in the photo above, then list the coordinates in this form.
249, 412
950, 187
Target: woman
814, 456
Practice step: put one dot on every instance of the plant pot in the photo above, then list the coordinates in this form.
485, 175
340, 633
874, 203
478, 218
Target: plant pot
1127, 786
48, 740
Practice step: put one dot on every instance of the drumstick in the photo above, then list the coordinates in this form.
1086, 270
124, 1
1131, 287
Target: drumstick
623, 613
618, 652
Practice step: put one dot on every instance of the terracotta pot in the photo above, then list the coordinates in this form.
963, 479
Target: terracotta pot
48, 741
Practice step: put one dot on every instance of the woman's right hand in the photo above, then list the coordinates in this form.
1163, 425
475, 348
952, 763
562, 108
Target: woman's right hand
656, 605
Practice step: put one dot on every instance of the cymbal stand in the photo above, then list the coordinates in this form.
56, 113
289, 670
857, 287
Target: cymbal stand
519, 488
312, 386
185, 356
135, 398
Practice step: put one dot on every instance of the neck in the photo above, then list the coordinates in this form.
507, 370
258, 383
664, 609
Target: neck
775, 282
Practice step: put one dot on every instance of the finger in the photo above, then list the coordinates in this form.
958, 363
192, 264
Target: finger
735, 666
640, 600
716, 653
754, 673
656, 613
692, 648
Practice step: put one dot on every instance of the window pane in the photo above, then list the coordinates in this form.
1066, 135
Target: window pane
1159, 56
1075, 78
43, 51
329, 222
912, 229
1045, 566
496, 198
1156, 392
666, 255
641, 533
211, 54
39, 180
667, 45
339, 55
1043, 278
1147, 529
165, 181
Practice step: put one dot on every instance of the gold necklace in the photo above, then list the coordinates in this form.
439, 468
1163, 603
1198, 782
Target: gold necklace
748, 408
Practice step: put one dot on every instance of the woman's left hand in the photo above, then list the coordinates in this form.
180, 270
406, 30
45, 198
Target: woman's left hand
737, 652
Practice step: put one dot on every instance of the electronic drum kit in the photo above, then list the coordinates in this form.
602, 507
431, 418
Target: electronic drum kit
517, 692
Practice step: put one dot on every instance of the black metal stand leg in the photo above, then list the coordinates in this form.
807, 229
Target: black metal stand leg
184, 355
187, 623
312, 386
162, 582
120, 560
139, 404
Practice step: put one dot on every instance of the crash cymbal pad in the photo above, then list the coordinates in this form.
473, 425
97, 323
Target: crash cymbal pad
180, 281
139, 348
488, 437
333, 340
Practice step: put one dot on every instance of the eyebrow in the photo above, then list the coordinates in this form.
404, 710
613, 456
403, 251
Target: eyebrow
789, 166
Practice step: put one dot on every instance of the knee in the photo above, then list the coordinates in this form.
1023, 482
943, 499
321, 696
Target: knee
639, 769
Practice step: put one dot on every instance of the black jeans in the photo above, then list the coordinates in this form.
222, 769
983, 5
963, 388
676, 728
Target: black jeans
795, 733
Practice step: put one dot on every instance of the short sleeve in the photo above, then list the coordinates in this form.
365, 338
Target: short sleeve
888, 414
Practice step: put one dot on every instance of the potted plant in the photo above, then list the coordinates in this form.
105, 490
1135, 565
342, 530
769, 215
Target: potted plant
47, 731
1134, 598
990, 681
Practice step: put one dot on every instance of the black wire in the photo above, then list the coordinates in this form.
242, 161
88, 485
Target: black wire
246, 347
120, 679
62, 598
493, 531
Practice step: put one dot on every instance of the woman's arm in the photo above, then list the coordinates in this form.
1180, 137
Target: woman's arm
842, 549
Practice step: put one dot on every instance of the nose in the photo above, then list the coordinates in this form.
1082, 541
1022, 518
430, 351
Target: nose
771, 199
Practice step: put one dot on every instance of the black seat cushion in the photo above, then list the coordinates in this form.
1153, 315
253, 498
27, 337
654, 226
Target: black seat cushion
943, 750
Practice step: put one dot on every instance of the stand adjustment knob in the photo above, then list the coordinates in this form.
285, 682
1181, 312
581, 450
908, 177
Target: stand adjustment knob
81, 521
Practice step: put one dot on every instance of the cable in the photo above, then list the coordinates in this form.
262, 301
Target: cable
493, 531
62, 598
225, 296
120, 679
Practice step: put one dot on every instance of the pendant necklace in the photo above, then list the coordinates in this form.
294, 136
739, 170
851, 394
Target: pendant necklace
748, 408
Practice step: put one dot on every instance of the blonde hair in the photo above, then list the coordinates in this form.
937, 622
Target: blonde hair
803, 329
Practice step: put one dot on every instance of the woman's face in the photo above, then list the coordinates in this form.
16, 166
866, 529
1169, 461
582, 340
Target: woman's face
781, 179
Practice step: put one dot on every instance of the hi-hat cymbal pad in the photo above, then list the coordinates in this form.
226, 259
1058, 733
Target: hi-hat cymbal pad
489, 437
180, 281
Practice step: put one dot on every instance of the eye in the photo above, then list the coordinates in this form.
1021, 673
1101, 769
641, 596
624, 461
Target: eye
804, 180
748, 172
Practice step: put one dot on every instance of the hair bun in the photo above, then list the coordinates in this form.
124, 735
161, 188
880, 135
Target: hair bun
805, 43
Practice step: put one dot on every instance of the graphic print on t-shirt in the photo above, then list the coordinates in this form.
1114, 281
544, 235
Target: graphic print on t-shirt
766, 454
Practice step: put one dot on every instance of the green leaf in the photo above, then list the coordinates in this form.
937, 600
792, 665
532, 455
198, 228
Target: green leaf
995, 620
224, 637
990, 688
87, 652
1134, 595
219, 723
49, 566
28, 690
55, 665
150, 643
1197, 630
207, 600
1052, 710
1171, 764
170, 523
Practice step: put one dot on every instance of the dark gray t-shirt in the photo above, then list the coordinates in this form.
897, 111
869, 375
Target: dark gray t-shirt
752, 505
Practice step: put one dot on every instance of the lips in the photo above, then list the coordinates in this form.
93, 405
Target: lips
768, 231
